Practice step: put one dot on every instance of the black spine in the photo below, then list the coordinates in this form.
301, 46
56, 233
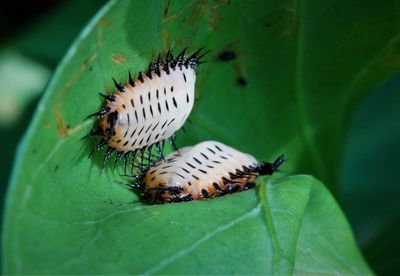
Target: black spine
130, 80
119, 87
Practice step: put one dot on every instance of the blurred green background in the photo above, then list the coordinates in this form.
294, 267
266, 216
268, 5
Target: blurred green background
35, 38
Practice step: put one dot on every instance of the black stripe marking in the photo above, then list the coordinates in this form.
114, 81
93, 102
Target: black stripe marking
172, 89
217, 162
195, 177
190, 165
148, 95
126, 132
180, 175
157, 94
144, 113
166, 105
187, 97
126, 143
159, 108
123, 106
129, 119
165, 91
132, 103
184, 76
189, 183
134, 142
148, 138
211, 150
197, 160
164, 124
171, 121
119, 141
185, 170
136, 116
155, 126
140, 131
174, 101
141, 99
151, 111
218, 148
209, 166
223, 157
203, 171
141, 141
205, 156
148, 128
133, 132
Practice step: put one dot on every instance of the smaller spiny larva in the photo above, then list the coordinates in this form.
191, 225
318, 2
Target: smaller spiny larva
206, 170
147, 110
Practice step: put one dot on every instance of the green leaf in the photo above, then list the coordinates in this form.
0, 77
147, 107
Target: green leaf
305, 64
294, 226
377, 233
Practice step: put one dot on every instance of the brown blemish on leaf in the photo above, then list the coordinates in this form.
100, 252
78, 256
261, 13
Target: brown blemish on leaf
77, 74
283, 22
75, 77
165, 38
61, 126
103, 23
119, 59
205, 10
176, 15
290, 20
63, 129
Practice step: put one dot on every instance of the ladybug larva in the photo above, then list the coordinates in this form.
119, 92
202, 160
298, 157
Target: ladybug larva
147, 110
206, 170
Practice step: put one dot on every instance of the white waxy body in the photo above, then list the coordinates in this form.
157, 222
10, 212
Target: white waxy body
199, 168
154, 110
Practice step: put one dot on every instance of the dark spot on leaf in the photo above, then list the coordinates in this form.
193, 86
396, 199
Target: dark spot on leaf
227, 56
241, 81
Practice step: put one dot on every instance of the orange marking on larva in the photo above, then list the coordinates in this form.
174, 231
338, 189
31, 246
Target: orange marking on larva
207, 170
148, 109
118, 58
117, 137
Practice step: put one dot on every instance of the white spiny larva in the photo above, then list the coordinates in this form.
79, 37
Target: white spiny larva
206, 170
147, 110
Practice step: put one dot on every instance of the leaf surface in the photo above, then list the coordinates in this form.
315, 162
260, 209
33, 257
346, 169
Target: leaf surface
290, 90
